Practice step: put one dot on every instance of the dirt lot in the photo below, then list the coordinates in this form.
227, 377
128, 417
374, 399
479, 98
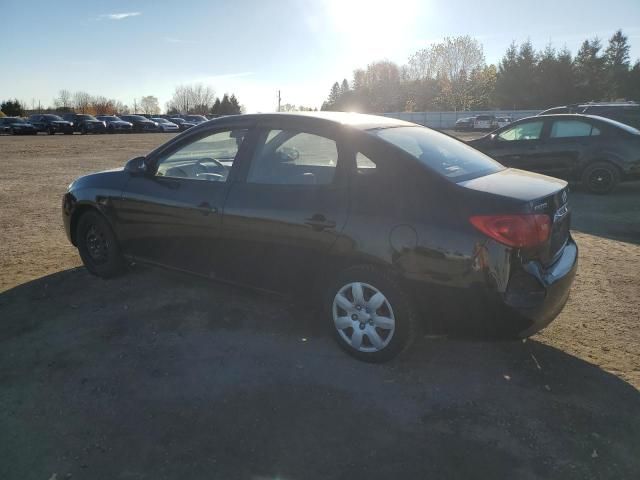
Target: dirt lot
158, 375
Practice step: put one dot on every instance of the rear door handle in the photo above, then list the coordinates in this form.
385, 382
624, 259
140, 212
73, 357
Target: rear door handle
319, 222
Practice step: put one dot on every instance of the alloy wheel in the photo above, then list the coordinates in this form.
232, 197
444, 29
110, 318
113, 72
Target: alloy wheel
600, 180
363, 317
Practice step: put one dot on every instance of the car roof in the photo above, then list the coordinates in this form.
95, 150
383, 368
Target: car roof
359, 121
575, 116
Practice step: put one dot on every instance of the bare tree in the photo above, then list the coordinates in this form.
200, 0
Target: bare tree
103, 105
63, 100
197, 98
81, 102
149, 105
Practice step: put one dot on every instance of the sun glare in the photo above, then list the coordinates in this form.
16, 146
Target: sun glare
373, 23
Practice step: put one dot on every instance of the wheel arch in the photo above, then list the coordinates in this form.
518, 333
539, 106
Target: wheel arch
78, 211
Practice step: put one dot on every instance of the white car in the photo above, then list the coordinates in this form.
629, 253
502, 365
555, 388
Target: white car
165, 125
503, 121
484, 122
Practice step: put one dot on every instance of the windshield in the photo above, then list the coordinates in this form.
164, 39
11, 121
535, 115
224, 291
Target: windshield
136, 117
52, 117
160, 120
177, 120
197, 118
86, 117
445, 155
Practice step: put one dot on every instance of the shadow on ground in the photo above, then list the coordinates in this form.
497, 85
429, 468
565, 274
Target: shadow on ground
615, 215
158, 375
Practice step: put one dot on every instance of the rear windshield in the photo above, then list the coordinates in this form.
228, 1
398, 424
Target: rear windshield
441, 153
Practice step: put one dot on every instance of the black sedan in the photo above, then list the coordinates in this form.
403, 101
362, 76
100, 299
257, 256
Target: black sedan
596, 151
389, 225
182, 123
51, 124
84, 123
140, 123
17, 126
115, 124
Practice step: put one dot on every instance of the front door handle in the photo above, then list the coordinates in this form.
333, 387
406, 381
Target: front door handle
319, 222
205, 208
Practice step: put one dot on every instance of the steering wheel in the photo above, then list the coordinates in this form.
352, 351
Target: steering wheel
210, 160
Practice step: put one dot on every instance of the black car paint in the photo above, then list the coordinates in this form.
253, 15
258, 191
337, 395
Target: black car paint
140, 125
85, 123
17, 126
405, 219
566, 157
50, 123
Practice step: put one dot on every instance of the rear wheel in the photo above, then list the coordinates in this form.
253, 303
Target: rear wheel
51, 131
600, 177
371, 317
98, 246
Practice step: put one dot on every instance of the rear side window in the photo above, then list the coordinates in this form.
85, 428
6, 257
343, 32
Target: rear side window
445, 155
572, 128
287, 157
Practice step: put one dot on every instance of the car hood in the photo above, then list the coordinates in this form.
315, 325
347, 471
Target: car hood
106, 179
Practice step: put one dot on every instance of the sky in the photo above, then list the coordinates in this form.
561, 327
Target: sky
128, 49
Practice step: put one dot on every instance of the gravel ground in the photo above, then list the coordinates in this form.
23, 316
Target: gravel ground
160, 375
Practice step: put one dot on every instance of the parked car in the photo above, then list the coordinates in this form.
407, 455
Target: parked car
596, 151
165, 125
182, 123
140, 123
115, 124
624, 112
484, 122
503, 121
197, 119
16, 126
463, 124
292, 203
84, 123
51, 124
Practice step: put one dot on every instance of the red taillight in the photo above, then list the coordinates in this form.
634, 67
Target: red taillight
514, 230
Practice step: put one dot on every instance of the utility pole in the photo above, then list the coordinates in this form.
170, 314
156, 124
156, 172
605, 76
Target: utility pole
279, 100
135, 106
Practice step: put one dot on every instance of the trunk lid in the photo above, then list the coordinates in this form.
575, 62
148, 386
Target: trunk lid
532, 193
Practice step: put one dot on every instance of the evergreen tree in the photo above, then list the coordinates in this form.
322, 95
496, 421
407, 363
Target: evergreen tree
616, 60
215, 109
12, 108
589, 67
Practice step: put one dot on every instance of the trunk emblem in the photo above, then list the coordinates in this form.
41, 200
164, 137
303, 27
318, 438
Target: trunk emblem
562, 211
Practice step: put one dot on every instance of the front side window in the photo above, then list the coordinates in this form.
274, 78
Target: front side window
572, 128
209, 158
523, 131
285, 157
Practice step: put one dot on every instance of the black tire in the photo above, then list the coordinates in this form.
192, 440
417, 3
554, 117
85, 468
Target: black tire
600, 177
68, 133
51, 131
98, 246
12, 131
83, 130
399, 307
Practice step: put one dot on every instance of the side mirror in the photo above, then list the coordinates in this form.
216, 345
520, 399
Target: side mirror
136, 166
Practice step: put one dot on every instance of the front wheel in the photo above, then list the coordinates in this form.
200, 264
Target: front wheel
371, 316
600, 177
98, 246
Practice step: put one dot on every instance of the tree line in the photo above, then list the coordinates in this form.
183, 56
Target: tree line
453, 75
186, 99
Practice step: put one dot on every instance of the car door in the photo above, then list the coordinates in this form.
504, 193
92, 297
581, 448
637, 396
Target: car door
172, 214
282, 219
520, 146
568, 141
